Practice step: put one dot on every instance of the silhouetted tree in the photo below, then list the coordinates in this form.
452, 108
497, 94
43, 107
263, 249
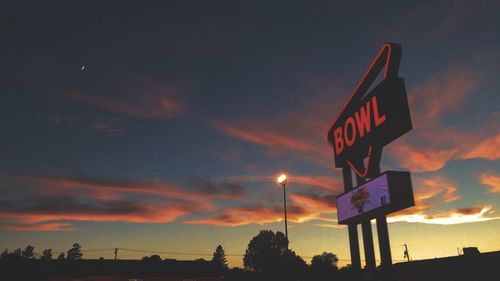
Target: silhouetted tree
346, 273
46, 255
295, 266
4, 254
155, 258
27, 253
152, 258
219, 257
324, 266
61, 256
17, 252
265, 250
75, 253
268, 254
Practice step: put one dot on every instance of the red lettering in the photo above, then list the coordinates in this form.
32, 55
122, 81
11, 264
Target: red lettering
350, 121
363, 120
378, 119
339, 141
360, 123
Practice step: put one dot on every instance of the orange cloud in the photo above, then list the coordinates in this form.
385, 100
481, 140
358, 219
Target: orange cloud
491, 180
440, 95
419, 159
45, 214
57, 226
430, 187
250, 215
488, 149
304, 208
429, 191
314, 204
49, 200
458, 216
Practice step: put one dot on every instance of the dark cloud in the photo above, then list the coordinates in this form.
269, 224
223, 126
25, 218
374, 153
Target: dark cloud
224, 189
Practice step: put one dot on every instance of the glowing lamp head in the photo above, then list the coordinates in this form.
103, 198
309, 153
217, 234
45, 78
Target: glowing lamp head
281, 179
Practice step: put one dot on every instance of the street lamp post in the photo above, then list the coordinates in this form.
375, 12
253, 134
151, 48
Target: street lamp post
282, 180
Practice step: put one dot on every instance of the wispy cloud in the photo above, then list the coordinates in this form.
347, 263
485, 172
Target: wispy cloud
41, 213
434, 144
327, 183
299, 132
53, 203
491, 180
136, 96
430, 187
487, 149
51, 226
303, 208
260, 133
419, 159
440, 95
457, 216
250, 214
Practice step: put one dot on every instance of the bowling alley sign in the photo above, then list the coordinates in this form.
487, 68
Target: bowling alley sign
374, 116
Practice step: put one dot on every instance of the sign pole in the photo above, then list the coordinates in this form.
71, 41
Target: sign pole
366, 228
383, 241
352, 228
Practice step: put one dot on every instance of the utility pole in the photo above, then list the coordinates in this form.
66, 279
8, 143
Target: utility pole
407, 255
116, 253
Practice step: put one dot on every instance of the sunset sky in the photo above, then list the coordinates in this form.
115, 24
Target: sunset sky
163, 126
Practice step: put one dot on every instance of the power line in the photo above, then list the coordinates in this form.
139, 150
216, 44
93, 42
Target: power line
115, 250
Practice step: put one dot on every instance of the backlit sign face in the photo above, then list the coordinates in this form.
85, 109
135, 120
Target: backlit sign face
390, 192
372, 120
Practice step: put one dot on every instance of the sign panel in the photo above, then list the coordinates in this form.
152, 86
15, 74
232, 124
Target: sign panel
390, 192
369, 121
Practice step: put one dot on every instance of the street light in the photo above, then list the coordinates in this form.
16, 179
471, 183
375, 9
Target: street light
282, 180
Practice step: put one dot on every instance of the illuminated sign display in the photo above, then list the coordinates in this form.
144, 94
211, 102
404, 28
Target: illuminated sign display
390, 192
369, 121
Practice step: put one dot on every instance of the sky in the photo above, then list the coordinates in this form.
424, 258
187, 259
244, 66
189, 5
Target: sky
162, 126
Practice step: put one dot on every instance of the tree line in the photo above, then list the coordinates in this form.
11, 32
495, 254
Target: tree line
74, 253
267, 257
